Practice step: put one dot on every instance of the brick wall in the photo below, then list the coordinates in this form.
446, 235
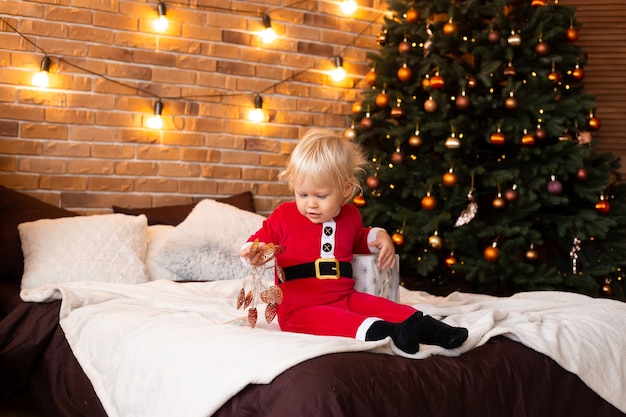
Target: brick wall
82, 143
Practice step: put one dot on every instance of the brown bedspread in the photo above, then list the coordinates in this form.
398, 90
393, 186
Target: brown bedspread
500, 378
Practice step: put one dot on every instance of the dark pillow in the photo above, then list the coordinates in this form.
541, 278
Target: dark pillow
16, 208
174, 215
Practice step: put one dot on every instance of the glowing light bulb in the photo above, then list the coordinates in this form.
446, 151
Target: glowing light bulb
348, 7
338, 73
160, 24
41, 79
267, 35
257, 115
156, 121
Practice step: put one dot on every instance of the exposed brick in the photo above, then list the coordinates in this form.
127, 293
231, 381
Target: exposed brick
112, 152
64, 183
19, 181
63, 14
169, 169
197, 186
92, 134
8, 7
8, 163
89, 33
157, 153
160, 185
42, 165
136, 169
110, 184
90, 166
130, 200
199, 155
115, 21
9, 128
66, 149
19, 147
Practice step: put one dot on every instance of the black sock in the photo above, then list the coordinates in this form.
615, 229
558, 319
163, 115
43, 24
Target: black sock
435, 332
405, 335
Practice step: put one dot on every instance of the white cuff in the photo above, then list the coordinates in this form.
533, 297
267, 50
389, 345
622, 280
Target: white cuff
361, 332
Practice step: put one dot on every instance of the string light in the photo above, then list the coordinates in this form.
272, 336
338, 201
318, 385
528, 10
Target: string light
348, 7
267, 35
160, 24
156, 121
40, 79
257, 115
338, 73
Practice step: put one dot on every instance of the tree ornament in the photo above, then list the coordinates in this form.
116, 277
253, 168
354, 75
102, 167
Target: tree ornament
430, 105
509, 71
536, 3
357, 107
451, 259
554, 186
437, 82
571, 34
449, 27
511, 102
542, 48
367, 122
582, 174
449, 178
370, 77
527, 138
426, 82
452, 142
397, 112
540, 133
531, 253
603, 206
573, 254
382, 38
435, 241
463, 101
511, 194
398, 238
494, 36
498, 203
404, 73
404, 46
373, 182
514, 39
382, 99
554, 76
469, 212
577, 73
397, 157
411, 16
350, 133
497, 138
607, 288
472, 82
593, 123
415, 140
429, 203
491, 253
359, 200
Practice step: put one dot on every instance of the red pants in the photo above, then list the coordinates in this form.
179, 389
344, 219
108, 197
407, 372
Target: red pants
333, 307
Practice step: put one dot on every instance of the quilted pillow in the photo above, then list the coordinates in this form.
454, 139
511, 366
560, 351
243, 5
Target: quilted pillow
109, 247
205, 246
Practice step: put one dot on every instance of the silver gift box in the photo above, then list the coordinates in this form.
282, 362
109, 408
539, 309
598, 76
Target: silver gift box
371, 280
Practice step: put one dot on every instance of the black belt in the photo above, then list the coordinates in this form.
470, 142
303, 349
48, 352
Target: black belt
322, 268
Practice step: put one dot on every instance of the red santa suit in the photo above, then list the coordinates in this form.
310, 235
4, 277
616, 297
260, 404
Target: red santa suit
327, 306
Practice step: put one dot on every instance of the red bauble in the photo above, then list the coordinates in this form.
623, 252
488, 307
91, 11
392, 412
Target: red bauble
463, 102
554, 76
359, 201
603, 206
373, 181
542, 48
541, 133
397, 157
582, 174
429, 203
367, 122
578, 74
493, 36
511, 194
404, 47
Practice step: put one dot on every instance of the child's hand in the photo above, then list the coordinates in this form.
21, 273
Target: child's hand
387, 254
253, 253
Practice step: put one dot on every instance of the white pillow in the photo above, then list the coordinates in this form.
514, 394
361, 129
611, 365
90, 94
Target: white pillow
108, 247
205, 246
157, 237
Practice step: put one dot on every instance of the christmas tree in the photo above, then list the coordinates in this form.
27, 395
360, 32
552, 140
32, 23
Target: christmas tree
482, 143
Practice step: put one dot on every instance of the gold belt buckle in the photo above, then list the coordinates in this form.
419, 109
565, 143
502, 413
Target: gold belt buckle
320, 275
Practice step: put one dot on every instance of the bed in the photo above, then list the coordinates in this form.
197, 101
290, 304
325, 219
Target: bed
92, 344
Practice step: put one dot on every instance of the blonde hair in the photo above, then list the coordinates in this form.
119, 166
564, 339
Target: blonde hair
324, 157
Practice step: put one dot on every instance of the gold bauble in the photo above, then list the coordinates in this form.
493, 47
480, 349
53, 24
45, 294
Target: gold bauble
498, 203
398, 238
435, 242
349, 133
415, 141
452, 143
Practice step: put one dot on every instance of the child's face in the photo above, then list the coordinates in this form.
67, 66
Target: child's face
319, 203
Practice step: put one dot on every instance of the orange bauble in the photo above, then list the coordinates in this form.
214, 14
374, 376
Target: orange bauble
571, 34
359, 201
491, 253
437, 82
398, 238
450, 260
404, 73
450, 179
528, 139
412, 16
370, 77
430, 105
429, 202
603, 207
554, 76
415, 140
449, 28
373, 182
357, 107
497, 138
382, 99
578, 74
594, 123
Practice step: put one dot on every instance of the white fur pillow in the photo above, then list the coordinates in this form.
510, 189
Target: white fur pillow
157, 238
109, 247
205, 246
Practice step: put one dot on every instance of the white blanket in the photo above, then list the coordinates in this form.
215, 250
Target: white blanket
163, 349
